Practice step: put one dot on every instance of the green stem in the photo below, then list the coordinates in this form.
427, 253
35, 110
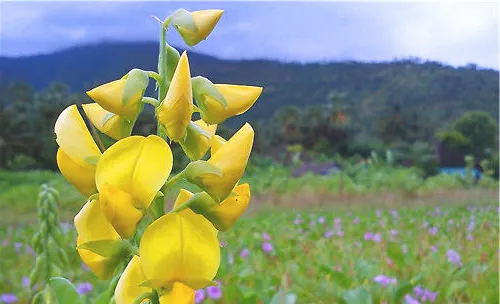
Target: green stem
182, 206
172, 181
152, 101
154, 75
142, 297
155, 299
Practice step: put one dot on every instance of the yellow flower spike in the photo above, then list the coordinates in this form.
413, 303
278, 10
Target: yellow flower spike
180, 247
74, 138
217, 143
92, 225
175, 111
198, 139
204, 21
239, 99
128, 289
110, 97
81, 176
179, 294
137, 165
232, 160
115, 126
118, 207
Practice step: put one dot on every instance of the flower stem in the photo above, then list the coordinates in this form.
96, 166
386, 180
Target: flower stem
152, 101
143, 296
172, 181
155, 299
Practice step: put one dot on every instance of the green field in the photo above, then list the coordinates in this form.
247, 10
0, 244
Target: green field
384, 236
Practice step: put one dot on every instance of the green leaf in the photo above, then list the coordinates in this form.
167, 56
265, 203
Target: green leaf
283, 298
106, 248
172, 60
63, 291
137, 81
358, 296
203, 87
103, 298
401, 291
183, 18
200, 167
395, 253
337, 277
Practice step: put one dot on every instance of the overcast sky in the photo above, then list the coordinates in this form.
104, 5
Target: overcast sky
453, 33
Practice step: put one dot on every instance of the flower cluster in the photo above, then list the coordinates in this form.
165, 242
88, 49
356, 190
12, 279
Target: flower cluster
125, 176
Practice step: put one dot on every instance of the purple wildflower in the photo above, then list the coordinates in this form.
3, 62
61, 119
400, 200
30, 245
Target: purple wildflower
470, 237
267, 247
26, 281
321, 220
454, 257
340, 233
214, 292
300, 230
266, 236
379, 213
84, 288
394, 232
8, 298
85, 267
394, 214
429, 296
355, 220
328, 234
199, 296
5, 243
471, 225
433, 248
312, 224
369, 236
18, 246
410, 300
222, 244
230, 258
244, 253
433, 230
384, 280
377, 238
297, 221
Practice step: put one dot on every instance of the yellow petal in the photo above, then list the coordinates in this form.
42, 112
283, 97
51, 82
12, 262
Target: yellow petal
180, 294
232, 159
224, 216
81, 176
176, 109
198, 139
239, 99
102, 267
118, 207
92, 225
113, 125
137, 165
180, 247
110, 95
217, 143
74, 138
205, 21
184, 196
128, 289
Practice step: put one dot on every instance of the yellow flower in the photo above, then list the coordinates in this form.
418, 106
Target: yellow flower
180, 247
128, 289
115, 126
198, 139
78, 153
223, 215
239, 99
231, 159
92, 225
123, 96
204, 21
216, 144
129, 175
175, 111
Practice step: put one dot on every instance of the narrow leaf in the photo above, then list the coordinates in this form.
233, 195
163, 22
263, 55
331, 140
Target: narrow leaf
63, 291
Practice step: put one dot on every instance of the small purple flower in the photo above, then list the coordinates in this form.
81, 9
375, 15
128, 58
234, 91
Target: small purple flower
429, 296
384, 280
355, 220
394, 214
230, 258
26, 281
85, 267
328, 234
312, 224
8, 298
199, 296
29, 250
471, 226
379, 213
266, 236
297, 221
244, 253
84, 288
404, 248
214, 292
419, 291
340, 233
394, 232
321, 220
300, 230
5, 243
369, 236
433, 248
377, 238
410, 300
222, 244
425, 225
267, 247
454, 257
450, 222
433, 230
18, 246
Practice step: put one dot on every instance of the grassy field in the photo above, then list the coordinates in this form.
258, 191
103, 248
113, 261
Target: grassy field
312, 243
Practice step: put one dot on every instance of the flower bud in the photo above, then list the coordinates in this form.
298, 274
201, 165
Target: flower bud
198, 139
197, 29
115, 126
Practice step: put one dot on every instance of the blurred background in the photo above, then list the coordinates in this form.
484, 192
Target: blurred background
365, 104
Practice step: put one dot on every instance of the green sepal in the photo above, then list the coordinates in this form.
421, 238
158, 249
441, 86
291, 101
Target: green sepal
183, 18
203, 87
63, 291
194, 170
172, 60
191, 142
107, 248
137, 81
92, 159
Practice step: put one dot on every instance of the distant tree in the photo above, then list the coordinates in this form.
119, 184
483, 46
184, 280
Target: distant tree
479, 128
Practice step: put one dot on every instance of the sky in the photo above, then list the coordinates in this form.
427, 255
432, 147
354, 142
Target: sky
455, 33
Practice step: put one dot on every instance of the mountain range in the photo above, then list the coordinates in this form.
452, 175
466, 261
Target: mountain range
371, 88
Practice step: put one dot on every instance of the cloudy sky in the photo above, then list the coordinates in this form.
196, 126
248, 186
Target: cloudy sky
453, 33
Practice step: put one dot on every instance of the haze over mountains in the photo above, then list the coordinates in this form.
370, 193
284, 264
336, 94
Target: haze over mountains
372, 88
